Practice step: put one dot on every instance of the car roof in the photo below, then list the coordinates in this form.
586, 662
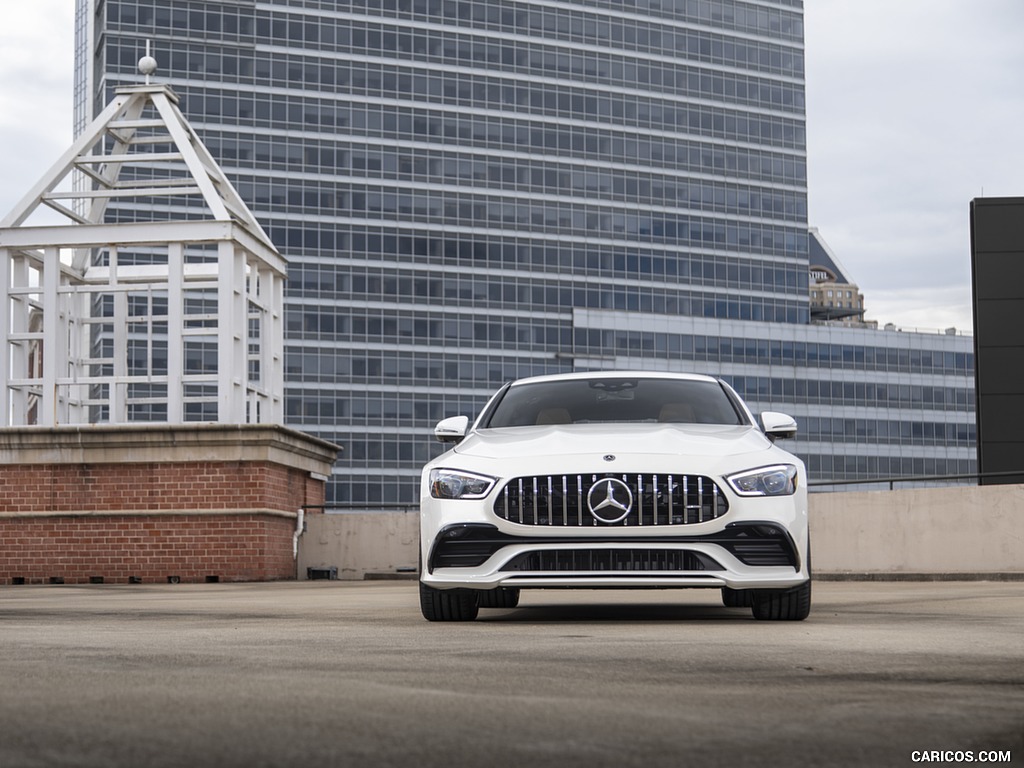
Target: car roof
591, 375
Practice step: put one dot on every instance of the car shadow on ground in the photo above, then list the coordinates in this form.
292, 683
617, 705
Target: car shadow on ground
613, 613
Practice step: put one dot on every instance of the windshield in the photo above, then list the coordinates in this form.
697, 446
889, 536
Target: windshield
582, 401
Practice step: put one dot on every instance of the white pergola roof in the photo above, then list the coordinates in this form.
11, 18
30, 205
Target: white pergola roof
141, 127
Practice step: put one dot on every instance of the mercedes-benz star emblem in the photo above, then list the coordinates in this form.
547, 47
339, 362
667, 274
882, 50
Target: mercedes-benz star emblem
610, 500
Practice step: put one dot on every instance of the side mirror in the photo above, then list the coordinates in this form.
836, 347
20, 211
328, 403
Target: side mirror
452, 429
778, 425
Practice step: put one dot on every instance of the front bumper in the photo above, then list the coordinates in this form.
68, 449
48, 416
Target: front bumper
742, 555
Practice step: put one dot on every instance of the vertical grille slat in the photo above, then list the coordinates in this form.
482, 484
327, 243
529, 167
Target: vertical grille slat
561, 500
551, 503
565, 500
522, 500
639, 500
670, 499
654, 496
579, 500
700, 499
536, 493
686, 499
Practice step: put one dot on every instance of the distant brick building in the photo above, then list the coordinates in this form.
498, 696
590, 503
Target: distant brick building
833, 294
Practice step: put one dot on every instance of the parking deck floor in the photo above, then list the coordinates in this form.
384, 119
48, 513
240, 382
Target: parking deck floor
328, 673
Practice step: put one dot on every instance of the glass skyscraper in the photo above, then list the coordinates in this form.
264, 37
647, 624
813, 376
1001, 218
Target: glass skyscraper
470, 191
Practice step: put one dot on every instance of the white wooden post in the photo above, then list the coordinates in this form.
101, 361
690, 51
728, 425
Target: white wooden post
19, 348
47, 414
232, 314
6, 350
274, 335
175, 336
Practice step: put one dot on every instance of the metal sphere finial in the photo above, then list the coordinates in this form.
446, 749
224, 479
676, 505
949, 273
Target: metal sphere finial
147, 65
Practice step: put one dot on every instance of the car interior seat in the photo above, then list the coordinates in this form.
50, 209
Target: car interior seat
553, 416
677, 413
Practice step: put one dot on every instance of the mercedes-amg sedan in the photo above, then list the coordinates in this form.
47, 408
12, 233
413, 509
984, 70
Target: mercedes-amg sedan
613, 481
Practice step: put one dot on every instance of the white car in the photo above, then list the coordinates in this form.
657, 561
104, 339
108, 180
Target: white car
614, 480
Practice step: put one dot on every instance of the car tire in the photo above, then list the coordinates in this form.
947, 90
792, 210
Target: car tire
448, 604
782, 604
502, 597
736, 598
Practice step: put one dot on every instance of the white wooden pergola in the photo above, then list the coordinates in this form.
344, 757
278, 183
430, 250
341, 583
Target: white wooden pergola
174, 317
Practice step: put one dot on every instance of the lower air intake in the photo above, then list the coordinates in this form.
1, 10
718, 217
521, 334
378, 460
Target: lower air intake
604, 560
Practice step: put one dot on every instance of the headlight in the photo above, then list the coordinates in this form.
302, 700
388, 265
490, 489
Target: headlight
779, 480
453, 484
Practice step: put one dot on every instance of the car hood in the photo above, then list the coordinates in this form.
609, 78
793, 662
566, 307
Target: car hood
596, 440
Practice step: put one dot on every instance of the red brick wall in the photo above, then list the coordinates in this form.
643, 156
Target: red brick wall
91, 541
146, 548
154, 486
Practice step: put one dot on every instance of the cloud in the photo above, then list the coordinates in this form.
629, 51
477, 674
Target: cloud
913, 110
36, 116
930, 310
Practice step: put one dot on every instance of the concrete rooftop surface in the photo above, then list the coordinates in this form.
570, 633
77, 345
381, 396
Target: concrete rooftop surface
332, 673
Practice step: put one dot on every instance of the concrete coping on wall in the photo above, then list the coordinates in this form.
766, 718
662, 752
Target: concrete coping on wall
143, 443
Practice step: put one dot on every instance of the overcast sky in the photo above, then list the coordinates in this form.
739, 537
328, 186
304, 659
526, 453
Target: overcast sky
914, 108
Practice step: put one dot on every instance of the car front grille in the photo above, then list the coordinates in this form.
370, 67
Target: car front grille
591, 560
566, 500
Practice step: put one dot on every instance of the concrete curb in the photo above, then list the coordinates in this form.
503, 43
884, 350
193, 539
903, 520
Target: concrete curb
1005, 576
1002, 576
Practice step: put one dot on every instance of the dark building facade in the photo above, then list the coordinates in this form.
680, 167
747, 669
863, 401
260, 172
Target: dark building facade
470, 191
997, 269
